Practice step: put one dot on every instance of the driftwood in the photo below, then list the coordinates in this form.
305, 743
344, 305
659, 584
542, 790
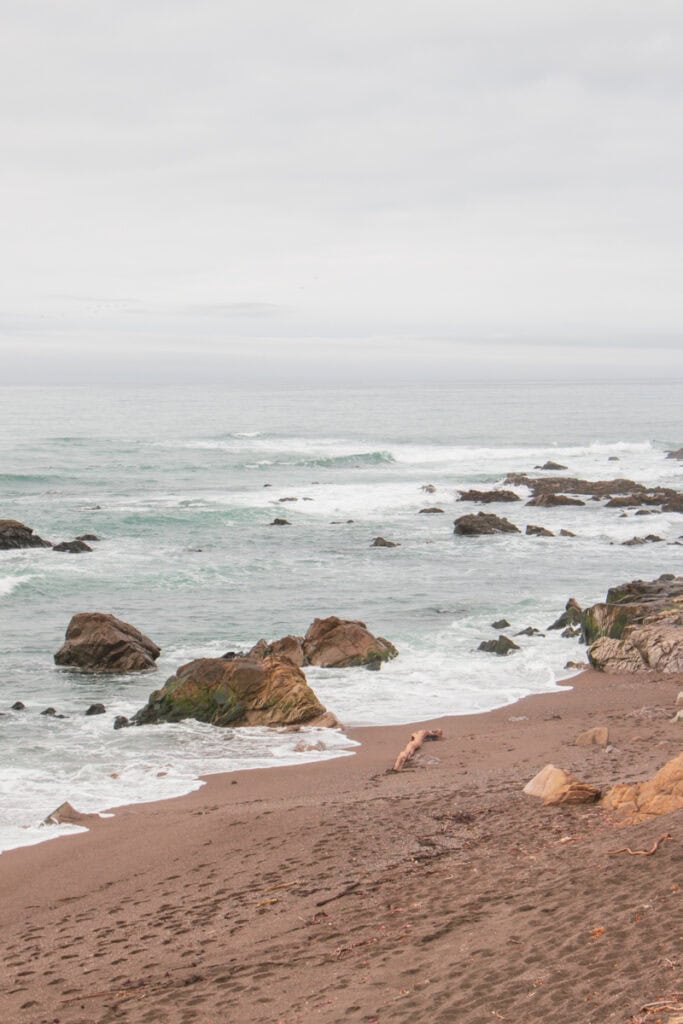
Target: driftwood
642, 853
416, 741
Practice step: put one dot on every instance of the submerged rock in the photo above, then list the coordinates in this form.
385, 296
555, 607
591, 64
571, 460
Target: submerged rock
18, 706
482, 523
341, 643
280, 522
244, 691
14, 534
99, 642
677, 454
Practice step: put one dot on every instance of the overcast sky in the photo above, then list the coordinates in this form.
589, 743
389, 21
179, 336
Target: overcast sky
306, 189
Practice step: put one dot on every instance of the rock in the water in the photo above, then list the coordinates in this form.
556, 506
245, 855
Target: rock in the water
244, 691
18, 706
596, 737
482, 523
677, 454
500, 624
72, 547
553, 501
567, 533
121, 722
381, 542
571, 616
65, 814
551, 465
502, 646
434, 510
280, 522
342, 643
88, 537
96, 709
428, 488
98, 642
570, 632
49, 712
556, 786
645, 800
486, 497
577, 664
530, 631
14, 534
651, 538
289, 648
538, 531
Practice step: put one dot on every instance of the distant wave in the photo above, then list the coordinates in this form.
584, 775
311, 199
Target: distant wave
25, 478
10, 583
357, 459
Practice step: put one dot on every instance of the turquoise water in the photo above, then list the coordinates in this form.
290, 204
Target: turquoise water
181, 485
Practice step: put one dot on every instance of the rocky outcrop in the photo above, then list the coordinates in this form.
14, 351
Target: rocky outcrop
431, 511
14, 534
98, 642
502, 646
630, 604
483, 523
645, 800
72, 547
553, 501
342, 643
572, 485
556, 786
485, 497
654, 646
242, 691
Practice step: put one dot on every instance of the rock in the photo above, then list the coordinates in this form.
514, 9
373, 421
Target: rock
570, 632
656, 645
380, 542
50, 712
484, 497
596, 737
88, 537
121, 722
538, 531
14, 534
577, 664
572, 485
651, 538
643, 801
678, 454
613, 458
65, 814
502, 646
500, 624
340, 643
678, 717
431, 511
529, 631
630, 604
280, 522
18, 706
679, 700
551, 465
289, 648
98, 642
556, 786
567, 533
428, 488
553, 501
73, 547
96, 709
244, 691
482, 523
571, 616
287, 499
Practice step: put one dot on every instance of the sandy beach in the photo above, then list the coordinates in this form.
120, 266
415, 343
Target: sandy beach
339, 891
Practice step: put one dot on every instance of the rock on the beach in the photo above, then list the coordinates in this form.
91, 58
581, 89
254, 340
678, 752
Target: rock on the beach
630, 604
14, 534
656, 645
483, 523
486, 497
556, 786
99, 642
596, 737
341, 643
244, 691
65, 814
642, 801
502, 646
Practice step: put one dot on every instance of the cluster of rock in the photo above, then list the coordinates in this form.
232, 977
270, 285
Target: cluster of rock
14, 534
638, 628
264, 686
619, 493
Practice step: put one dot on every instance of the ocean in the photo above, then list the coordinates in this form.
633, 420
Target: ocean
181, 483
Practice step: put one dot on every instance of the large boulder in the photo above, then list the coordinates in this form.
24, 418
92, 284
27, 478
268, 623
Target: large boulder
630, 604
98, 642
482, 523
654, 646
642, 801
289, 648
342, 643
241, 691
556, 786
14, 534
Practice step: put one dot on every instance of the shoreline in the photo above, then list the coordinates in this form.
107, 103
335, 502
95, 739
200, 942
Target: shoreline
334, 890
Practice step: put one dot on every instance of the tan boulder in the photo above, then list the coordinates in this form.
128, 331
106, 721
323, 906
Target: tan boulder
288, 647
641, 801
656, 645
99, 642
235, 692
65, 814
597, 737
556, 786
340, 643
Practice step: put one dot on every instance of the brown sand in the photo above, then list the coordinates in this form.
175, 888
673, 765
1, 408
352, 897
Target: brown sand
337, 892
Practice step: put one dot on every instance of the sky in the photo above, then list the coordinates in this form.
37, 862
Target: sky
303, 191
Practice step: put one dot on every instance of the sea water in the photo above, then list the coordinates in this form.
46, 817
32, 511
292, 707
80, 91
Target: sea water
181, 486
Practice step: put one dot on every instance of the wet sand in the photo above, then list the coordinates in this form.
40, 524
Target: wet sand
339, 891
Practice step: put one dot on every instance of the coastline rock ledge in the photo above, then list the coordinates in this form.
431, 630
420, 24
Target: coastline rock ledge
14, 534
235, 692
99, 642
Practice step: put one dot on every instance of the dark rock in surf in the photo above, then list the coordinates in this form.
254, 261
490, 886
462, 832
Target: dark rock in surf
434, 510
72, 547
96, 709
567, 533
98, 642
486, 497
538, 531
571, 616
651, 538
502, 646
14, 534
481, 524
121, 722
18, 706
677, 454
88, 537
551, 465
553, 501
380, 542
500, 624
280, 522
